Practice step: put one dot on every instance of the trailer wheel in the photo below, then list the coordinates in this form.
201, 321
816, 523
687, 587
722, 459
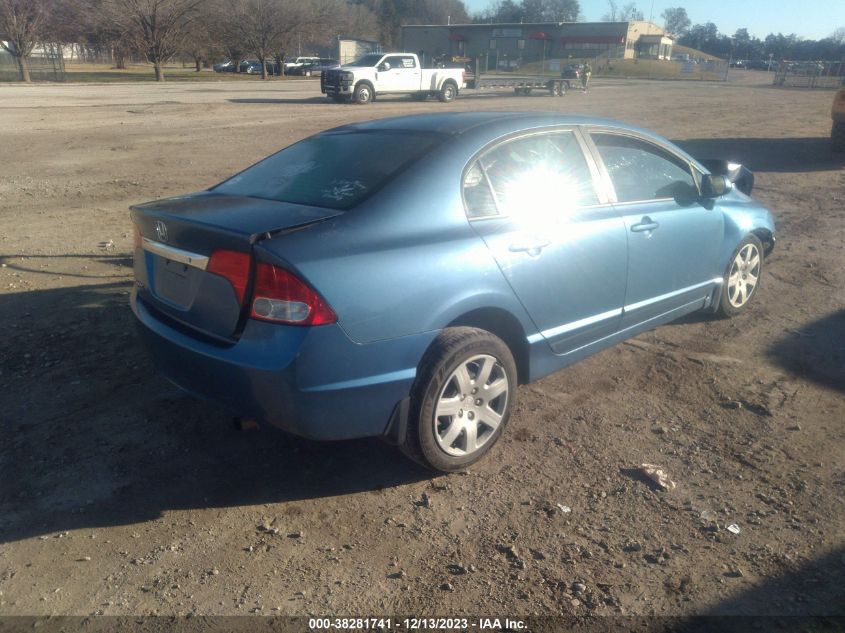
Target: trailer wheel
563, 86
448, 92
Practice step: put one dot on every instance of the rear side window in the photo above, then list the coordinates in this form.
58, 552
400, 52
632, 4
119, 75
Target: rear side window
536, 175
401, 61
334, 170
643, 171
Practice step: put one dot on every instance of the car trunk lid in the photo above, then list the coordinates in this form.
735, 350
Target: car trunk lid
193, 254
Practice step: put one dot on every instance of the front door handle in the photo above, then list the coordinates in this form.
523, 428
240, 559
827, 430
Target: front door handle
646, 224
532, 247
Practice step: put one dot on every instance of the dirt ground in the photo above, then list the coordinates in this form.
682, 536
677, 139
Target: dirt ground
120, 495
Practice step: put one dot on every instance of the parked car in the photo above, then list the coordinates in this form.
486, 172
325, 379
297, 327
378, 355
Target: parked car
299, 61
572, 71
401, 277
224, 67
251, 66
314, 69
760, 64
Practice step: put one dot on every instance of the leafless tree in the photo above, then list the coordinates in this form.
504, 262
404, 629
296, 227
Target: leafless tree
268, 27
21, 25
627, 13
158, 27
199, 42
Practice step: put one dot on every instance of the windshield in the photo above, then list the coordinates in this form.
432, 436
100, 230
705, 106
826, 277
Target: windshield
335, 170
367, 60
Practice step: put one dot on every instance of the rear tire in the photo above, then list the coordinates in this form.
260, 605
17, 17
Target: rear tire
448, 92
837, 136
742, 277
462, 399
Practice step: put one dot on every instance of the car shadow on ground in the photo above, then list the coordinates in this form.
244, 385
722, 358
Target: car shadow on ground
95, 438
806, 597
768, 154
815, 351
35, 263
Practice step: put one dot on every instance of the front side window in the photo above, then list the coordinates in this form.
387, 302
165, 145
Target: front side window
643, 171
541, 176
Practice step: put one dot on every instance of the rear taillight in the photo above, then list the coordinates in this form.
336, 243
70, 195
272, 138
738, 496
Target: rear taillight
233, 266
281, 297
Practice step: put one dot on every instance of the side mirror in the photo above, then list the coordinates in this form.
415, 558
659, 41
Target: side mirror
740, 176
714, 186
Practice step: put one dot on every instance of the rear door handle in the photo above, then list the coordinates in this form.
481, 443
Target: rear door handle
531, 247
646, 224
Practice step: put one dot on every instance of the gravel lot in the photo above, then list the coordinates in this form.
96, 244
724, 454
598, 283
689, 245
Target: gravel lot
120, 495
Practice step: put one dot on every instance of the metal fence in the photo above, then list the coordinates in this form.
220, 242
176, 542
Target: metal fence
46, 66
646, 68
810, 74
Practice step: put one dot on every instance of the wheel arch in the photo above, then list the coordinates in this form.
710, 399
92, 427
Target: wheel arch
766, 238
505, 326
368, 83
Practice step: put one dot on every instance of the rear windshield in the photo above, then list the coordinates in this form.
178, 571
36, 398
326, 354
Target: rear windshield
334, 170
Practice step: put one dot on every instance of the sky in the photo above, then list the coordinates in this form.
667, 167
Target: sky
811, 19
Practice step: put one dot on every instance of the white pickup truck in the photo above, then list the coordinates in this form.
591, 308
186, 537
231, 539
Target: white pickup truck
390, 73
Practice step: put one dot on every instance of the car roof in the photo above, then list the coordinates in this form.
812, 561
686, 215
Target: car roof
456, 123
493, 124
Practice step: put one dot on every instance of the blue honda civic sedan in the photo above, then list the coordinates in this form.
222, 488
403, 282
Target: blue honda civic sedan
401, 277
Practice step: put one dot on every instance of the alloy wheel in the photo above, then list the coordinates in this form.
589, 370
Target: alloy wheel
471, 405
744, 275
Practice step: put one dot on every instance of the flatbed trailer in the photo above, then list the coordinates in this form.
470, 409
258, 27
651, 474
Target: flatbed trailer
521, 85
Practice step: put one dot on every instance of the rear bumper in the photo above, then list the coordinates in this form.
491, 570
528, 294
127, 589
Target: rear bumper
311, 381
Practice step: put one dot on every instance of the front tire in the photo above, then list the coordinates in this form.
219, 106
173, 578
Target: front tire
462, 399
448, 92
742, 277
363, 94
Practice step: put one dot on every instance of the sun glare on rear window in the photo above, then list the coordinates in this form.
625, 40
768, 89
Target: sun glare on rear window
331, 170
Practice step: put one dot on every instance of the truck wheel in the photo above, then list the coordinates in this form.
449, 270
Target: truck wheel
448, 92
563, 86
837, 136
363, 94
